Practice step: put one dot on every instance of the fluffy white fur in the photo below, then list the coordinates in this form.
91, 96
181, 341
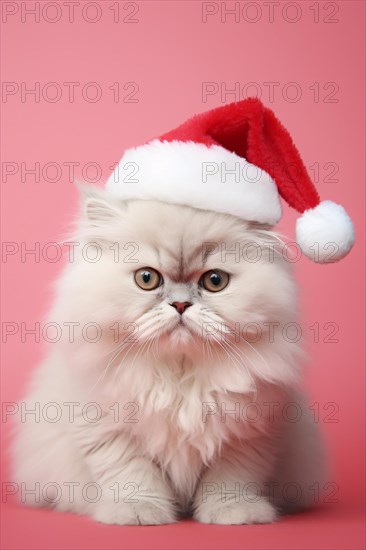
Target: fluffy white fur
211, 178
169, 462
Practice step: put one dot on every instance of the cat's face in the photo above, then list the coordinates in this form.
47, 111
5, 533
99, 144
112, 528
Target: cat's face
179, 278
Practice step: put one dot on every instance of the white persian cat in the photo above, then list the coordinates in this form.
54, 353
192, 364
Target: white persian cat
173, 389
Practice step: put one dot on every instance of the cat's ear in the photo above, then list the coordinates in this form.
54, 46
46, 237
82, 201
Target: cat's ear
99, 211
98, 208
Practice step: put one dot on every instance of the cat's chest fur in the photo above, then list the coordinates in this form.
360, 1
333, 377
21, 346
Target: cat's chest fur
183, 417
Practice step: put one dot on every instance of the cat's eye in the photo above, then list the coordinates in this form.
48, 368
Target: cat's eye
214, 280
148, 278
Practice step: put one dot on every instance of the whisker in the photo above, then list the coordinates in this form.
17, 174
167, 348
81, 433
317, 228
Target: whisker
240, 353
115, 352
254, 349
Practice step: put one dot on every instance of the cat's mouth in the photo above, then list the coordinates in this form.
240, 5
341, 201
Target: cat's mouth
183, 332
178, 325
181, 326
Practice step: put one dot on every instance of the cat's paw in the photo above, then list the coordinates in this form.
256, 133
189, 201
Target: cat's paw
237, 513
139, 513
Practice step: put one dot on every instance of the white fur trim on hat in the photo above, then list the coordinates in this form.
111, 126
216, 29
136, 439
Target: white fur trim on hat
197, 175
325, 233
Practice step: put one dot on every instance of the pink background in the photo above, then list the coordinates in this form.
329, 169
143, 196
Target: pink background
169, 52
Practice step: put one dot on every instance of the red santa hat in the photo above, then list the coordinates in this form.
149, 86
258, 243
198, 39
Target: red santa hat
237, 159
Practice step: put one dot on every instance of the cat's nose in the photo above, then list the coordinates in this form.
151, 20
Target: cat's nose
181, 306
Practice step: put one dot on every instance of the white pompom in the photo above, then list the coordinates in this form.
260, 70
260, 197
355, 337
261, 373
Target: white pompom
325, 233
